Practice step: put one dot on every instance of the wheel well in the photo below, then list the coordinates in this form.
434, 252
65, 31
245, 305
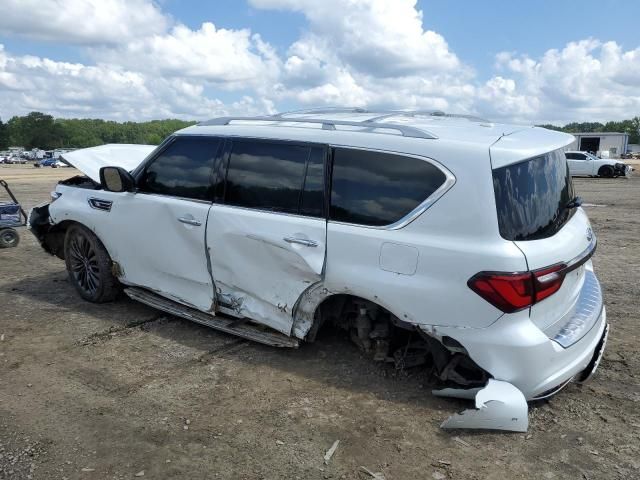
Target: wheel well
54, 238
381, 334
335, 309
605, 168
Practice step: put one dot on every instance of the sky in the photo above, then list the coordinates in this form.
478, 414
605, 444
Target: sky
513, 61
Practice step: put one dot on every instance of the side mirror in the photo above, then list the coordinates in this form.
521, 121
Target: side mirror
116, 179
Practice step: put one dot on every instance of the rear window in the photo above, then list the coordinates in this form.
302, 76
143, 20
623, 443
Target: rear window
376, 189
531, 197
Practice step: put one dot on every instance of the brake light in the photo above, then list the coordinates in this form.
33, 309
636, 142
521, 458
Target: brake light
512, 292
548, 281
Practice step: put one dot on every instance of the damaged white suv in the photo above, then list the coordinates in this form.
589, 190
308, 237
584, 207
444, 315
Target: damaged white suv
433, 239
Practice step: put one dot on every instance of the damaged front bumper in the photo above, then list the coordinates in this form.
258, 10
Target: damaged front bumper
40, 224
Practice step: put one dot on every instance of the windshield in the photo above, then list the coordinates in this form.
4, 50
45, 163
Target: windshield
532, 197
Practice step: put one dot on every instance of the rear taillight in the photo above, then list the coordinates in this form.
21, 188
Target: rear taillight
547, 281
511, 292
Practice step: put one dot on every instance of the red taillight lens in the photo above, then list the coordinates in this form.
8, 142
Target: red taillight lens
511, 292
548, 281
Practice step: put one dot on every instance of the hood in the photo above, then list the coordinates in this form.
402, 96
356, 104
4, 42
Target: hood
90, 160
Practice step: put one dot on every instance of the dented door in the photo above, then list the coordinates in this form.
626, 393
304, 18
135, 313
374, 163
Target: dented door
159, 243
267, 235
157, 234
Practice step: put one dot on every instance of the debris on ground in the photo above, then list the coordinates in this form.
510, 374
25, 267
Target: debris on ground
374, 475
461, 442
330, 452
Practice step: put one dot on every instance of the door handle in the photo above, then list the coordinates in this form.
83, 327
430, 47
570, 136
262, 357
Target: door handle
301, 241
189, 221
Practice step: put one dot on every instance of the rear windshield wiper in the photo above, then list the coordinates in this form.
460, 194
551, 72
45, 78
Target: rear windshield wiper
575, 202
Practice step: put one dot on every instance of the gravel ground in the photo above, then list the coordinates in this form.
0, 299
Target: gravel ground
123, 391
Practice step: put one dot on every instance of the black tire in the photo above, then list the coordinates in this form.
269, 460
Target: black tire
606, 171
89, 266
9, 238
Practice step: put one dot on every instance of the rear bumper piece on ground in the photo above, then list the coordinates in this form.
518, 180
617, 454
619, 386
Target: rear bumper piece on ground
499, 406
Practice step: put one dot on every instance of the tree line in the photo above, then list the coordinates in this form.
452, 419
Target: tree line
38, 130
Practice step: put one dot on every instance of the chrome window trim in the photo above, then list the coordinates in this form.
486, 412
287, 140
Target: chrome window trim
271, 212
449, 181
195, 200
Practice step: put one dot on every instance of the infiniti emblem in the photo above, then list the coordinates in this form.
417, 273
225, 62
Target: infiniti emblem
589, 234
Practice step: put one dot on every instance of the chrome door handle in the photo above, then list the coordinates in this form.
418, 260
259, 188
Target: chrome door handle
189, 221
301, 241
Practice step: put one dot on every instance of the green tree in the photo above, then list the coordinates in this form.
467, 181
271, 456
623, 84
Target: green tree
4, 135
35, 130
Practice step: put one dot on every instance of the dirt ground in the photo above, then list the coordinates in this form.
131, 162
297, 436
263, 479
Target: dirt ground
122, 391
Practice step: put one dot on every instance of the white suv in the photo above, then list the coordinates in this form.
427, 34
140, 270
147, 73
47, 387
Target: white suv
432, 238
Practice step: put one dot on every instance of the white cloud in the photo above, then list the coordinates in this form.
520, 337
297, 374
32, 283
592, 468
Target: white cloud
84, 22
585, 81
227, 58
385, 37
370, 52
374, 53
64, 89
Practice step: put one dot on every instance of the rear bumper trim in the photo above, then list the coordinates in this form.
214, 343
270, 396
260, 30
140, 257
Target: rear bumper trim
584, 316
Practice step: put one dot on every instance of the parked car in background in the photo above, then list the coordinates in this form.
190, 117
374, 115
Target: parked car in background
587, 164
49, 162
431, 239
15, 160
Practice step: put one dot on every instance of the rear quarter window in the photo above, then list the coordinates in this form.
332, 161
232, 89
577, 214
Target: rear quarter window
532, 195
378, 189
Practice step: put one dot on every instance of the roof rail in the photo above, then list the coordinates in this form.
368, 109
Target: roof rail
405, 130
382, 113
425, 113
323, 110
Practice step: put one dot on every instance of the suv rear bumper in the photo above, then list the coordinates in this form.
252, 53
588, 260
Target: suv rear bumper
515, 350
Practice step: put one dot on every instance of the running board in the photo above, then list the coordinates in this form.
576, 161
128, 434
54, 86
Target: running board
230, 325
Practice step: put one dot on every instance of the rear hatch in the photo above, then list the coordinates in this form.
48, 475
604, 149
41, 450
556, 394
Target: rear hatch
536, 210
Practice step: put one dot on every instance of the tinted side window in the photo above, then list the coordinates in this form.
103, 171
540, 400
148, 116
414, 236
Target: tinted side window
532, 197
183, 169
572, 156
372, 188
266, 175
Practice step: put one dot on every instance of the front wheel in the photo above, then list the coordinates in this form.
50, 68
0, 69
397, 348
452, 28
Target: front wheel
89, 266
606, 171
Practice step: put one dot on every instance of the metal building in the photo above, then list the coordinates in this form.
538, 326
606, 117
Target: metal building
603, 144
